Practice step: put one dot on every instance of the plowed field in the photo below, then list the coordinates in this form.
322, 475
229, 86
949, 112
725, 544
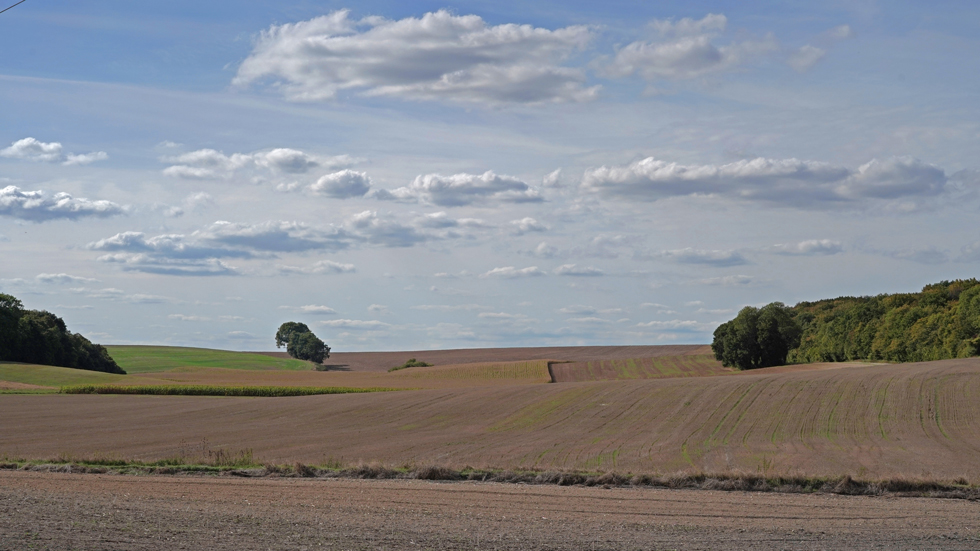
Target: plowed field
658, 367
912, 420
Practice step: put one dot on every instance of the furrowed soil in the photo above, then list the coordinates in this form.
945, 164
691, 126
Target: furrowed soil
383, 361
868, 421
109, 512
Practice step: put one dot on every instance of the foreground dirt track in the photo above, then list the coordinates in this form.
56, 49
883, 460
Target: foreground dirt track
909, 420
62, 511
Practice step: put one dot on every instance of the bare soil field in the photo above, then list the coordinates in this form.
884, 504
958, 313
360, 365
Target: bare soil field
656, 367
872, 421
383, 361
70, 511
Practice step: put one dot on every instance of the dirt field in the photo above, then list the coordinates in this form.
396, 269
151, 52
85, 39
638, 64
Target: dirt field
383, 361
905, 420
656, 367
64, 511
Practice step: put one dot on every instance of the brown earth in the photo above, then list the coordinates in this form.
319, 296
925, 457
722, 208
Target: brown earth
11, 385
383, 361
657, 367
107, 512
870, 421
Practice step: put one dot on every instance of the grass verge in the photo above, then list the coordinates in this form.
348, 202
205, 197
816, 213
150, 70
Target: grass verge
209, 390
243, 464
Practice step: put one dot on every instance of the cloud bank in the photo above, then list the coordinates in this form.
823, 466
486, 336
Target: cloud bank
35, 206
439, 56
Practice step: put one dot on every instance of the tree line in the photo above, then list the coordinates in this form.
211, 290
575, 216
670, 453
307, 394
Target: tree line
940, 322
40, 337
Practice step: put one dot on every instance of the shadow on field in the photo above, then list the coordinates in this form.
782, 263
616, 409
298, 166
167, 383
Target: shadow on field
335, 367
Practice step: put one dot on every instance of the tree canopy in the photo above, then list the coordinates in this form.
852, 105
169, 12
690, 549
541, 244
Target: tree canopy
40, 337
940, 322
301, 343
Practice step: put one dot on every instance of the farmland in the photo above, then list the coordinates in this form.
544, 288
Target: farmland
870, 421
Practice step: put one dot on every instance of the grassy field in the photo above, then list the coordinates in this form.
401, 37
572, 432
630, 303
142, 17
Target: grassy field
155, 359
46, 375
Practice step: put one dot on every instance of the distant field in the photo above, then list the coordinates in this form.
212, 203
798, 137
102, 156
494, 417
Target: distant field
904, 420
154, 359
639, 368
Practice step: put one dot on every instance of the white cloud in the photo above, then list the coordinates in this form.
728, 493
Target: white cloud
789, 182
381, 231
578, 309
709, 258
686, 52
111, 293
320, 267
806, 57
343, 185
63, 278
676, 325
590, 320
379, 309
85, 158
528, 224
30, 149
580, 271
449, 307
183, 317
809, 247
317, 309
728, 281
462, 189
501, 316
356, 324
552, 179
438, 56
36, 207
510, 272
544, 250
205, 164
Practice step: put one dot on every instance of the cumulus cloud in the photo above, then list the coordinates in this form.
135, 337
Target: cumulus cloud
321, 267
728, 281
201, 252
510, 272
709, 258
206, 164
355, 324
788, 182
439, 56
35, 206
111, 293
63, 278
343, 185
462, 189
809, 247
686, 50
579, 271
381, 231
552, 179
544, 250
527, 225
30, 149
317, 309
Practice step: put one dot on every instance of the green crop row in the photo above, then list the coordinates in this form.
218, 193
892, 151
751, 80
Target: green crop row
209, 390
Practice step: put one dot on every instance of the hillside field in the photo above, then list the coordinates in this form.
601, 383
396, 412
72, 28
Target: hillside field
869, 421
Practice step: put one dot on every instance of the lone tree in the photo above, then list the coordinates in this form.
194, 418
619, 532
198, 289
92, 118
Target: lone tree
301, 343
757, 337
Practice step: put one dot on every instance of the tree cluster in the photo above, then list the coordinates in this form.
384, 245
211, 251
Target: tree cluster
941, 322
40, 337
757, 337
301, 343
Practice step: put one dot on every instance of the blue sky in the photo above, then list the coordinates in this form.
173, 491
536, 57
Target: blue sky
406, 175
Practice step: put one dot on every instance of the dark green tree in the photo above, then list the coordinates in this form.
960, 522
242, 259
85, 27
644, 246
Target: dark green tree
757, 337
40, 337
301, 343
286, 331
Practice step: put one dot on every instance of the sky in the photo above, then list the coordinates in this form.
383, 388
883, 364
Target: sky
419, 175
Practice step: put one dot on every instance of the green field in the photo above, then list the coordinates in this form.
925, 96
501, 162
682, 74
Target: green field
47, 375
154, 359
